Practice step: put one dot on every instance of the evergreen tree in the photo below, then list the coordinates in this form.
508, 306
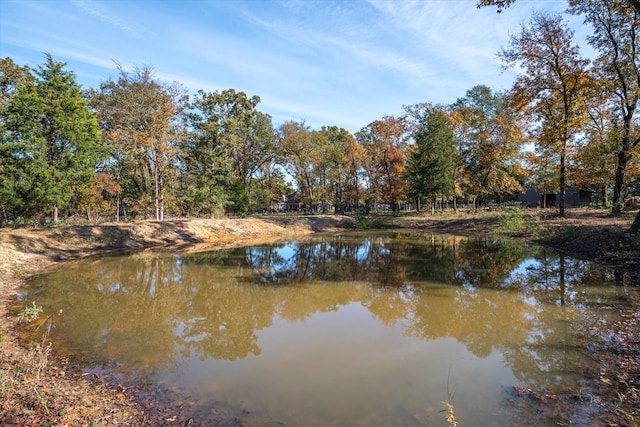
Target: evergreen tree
50, 143
431, 165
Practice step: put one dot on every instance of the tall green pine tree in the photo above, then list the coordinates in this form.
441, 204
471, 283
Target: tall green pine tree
50, 142
431, 166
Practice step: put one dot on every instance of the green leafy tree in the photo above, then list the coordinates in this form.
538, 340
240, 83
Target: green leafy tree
230, 142
300, 153
205, 157
432, 162
269, 185
489, 142
50, 144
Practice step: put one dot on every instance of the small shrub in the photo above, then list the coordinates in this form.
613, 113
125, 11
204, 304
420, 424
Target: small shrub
37, 358
30, 313
569, 233
515, 222
363, 221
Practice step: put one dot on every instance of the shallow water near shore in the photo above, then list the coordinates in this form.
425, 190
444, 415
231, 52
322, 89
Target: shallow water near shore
350, 329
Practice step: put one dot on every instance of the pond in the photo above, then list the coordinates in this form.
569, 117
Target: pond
374, 329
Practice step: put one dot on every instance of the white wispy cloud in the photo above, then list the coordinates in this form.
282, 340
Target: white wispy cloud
59, 45
96, 9
447, 33
327, 61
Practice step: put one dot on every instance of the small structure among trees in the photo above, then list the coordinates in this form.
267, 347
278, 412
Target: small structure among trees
573, 197
287, 203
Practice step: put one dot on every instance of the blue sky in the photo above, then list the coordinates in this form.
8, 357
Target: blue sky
344, 63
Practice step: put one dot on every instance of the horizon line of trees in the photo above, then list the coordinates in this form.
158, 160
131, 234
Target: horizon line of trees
137, 147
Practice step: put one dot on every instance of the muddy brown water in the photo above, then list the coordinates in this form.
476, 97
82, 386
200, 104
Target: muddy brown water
352, 329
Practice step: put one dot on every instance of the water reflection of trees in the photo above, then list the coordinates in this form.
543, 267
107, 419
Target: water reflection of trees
388, 260
532, 305
568, 298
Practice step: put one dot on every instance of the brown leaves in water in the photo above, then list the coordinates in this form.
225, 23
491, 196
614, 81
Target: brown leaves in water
614, 395
532, 394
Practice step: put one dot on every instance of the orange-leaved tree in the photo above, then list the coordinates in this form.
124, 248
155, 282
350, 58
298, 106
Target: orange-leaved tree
385, 145
137, 113
554, 86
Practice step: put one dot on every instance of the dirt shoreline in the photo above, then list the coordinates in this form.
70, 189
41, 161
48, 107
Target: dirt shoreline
60, 394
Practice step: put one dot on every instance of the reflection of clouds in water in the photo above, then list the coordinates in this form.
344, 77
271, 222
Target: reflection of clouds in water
268, 309
523, 268
285, 252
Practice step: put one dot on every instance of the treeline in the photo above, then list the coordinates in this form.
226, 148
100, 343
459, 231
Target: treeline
137, 147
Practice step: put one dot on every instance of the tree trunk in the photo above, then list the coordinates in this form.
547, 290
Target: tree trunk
55, 213
603, 195
562, 184
624, 155
156, 192
635, 227
161, 200
309, 192
618, 186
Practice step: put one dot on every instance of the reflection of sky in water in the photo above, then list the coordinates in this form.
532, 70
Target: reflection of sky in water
363, 250
522, 269
279, 329
286, 252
